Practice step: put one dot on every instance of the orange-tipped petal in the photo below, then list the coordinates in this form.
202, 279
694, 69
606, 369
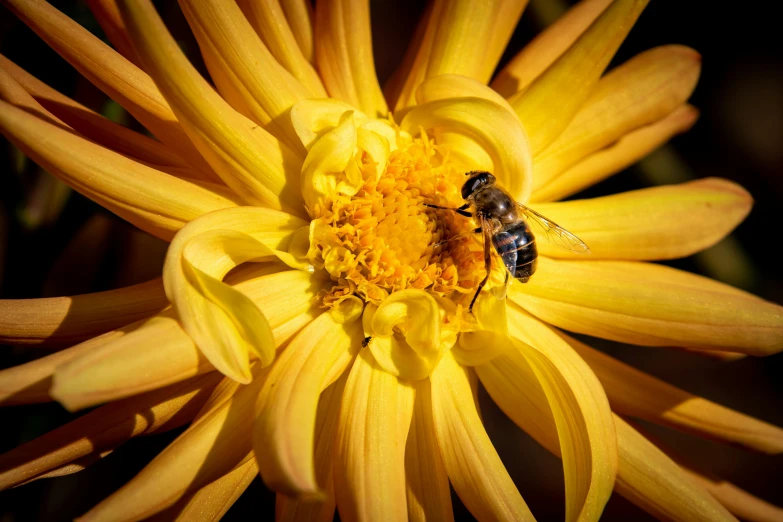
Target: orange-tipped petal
628, 150
69, 320
428, 496
639, 92
645, 475
649, 224
650, 305
288, 509
269, 20
97, 128
158, 352
150, 199
107, 14
285, 422
344, 54
473, 465
222, 29
259, 168
105, 428
369, 449
547, 47
214, 444
122, 81
635, 393
13, 93
547, 106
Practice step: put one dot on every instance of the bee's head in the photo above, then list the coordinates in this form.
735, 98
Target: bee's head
477, 181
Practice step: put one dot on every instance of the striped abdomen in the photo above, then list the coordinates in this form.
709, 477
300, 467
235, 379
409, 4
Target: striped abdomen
517, 247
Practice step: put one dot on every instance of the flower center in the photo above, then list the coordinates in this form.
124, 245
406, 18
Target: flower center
385, 239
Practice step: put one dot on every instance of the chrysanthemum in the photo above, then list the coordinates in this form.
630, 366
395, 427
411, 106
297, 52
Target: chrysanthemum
318, 331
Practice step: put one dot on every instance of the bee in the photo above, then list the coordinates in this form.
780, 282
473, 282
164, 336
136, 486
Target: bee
505, 227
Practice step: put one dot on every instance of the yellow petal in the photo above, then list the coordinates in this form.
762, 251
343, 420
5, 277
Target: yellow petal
288, 509
109, 71
628, 150
588, 444
262, 170
551, 101
413, 68
645, 475
314, 118
216, 442
637, 93
105, 428
650, 305
489, 124
344, 54
737, 500
269, 20
327, 169
238, 51
212, 501
428, 495
13, 93
158, 352
490, 339
97, 128
635, 393
152, 200
285, 422
108, 17
369, 449
69, 320
299, 14
655, 223
547, 47
473, 465
223, 322
462, 37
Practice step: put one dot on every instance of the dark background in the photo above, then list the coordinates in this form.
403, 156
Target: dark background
54, 242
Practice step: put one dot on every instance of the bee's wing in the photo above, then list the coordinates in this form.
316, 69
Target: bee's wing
553, 232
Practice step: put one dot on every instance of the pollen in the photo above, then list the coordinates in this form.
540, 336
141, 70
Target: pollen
385, 239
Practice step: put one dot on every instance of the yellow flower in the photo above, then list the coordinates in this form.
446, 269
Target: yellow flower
309, 268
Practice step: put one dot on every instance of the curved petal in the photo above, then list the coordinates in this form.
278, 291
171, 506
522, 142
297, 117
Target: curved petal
299, 14
259, 168
649, 224
461, 37
588, 443
211, 502
492, 126
13, 93
645, 475
108, 17
105, 428
69, 320
635, 393
314, 118
428, 494
490, 339
473, 465
290, 509
650, 305
238, 51
547, 47
269, 21
223, 322
285, 421
344, 53
152, 200
96, 127
551, 101
628, 150
158, 352
214, 444
641, 91
369, 450
109, 71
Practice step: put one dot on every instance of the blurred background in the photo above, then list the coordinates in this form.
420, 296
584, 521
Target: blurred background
55, 242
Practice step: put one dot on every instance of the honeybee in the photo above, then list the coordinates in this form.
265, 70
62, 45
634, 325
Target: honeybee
505, 226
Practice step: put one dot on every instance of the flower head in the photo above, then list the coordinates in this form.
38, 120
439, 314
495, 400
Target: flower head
322, 330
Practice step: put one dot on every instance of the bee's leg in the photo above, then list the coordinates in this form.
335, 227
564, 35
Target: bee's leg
461, 210
458, 236
487, 262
